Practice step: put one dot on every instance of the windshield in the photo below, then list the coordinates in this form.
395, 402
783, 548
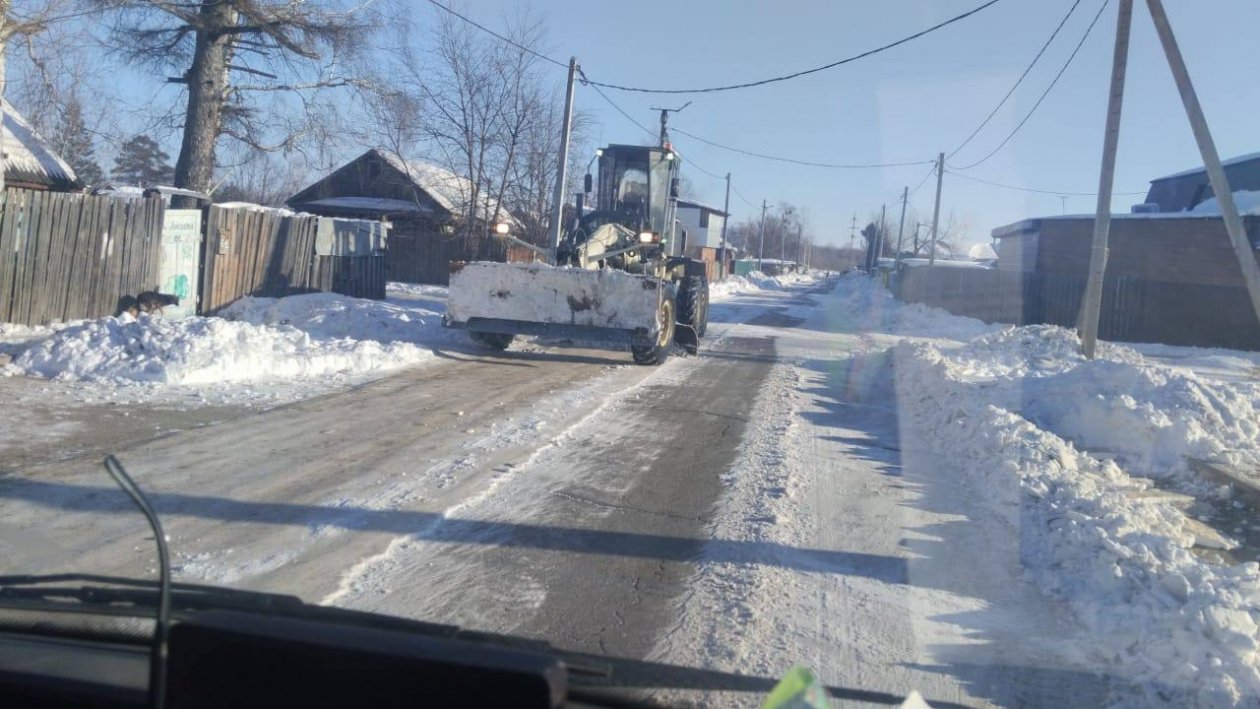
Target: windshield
924, 354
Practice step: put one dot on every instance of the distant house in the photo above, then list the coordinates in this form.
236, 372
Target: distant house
426, 205
702, 222
29, 162
1183, 191
382, 185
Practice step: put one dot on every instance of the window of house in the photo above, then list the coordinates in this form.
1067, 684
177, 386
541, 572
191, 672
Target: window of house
704, 219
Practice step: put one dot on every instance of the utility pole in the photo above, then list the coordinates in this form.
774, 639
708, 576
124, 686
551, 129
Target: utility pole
901, 226
1063, 202
557, 198
1207, 149
761, 247
800, 248
665, 119
726, 217
879, 239
1091, 302
936, 211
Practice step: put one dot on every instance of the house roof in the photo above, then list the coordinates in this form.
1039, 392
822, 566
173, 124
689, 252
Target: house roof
28, 157
1196, 170
369, 205
700, 205
449, 190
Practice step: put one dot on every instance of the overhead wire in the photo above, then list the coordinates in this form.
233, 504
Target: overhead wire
1045, 93
1018, 81
1060, 193
807, 163
805, 72
498, 36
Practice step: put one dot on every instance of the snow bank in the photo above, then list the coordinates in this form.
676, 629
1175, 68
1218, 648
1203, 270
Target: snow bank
782, 281
396, 289
731, 287
308, 337
1015, 411
202, 351
866, 299
328, 316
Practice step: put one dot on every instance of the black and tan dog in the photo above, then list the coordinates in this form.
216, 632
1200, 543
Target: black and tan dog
149, 301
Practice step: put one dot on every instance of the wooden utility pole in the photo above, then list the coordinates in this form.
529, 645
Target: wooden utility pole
1211, 159
936, 211
1091, 303
879, 238
562, 173
726, 217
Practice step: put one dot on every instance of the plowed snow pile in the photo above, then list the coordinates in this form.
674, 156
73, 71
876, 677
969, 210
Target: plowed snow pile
1013, 415
258, 340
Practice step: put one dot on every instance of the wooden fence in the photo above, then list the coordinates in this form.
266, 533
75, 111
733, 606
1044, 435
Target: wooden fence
1133, 309
67, 256
267, 252
424, 257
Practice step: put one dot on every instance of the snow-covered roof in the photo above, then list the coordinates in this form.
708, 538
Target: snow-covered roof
368, 204
1224, 163
941, 263
449, 190
700, 205
1247, 202
27, 157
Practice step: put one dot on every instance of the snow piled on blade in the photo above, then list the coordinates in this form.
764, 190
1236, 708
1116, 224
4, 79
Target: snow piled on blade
257, 339
537, 292
1014, 414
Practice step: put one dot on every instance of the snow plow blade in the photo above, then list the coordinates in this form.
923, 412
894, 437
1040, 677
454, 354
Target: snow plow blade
608, 307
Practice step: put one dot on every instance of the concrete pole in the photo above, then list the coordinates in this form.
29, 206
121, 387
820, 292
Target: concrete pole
761, 247
557, 197
1091, 303
936, 211
726, 217
1211, 159
901, 227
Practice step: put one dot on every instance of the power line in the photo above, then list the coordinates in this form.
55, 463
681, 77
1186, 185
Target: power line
924, 180
794, 161
1018, 81
742, 197
1033, 110
1038, 191
501, 38
612, 103
805, 72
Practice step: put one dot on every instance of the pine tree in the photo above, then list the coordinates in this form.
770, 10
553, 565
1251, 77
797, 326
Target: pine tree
72, 141
140, 161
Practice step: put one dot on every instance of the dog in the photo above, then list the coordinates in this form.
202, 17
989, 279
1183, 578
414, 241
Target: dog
153, 302
150, 302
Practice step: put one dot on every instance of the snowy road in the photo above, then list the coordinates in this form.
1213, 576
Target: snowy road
742, 511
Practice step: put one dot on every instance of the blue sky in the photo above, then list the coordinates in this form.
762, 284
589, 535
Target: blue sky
906, 104
912, 101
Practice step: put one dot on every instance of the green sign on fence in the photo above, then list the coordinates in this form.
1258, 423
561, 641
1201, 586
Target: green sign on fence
181, 252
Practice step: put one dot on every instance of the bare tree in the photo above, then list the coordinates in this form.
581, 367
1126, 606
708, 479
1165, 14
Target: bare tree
32, 19
258, 177
290, 48
481, 110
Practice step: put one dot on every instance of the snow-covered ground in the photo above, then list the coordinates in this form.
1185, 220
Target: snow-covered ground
260, 351
931, 502
1066, 474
